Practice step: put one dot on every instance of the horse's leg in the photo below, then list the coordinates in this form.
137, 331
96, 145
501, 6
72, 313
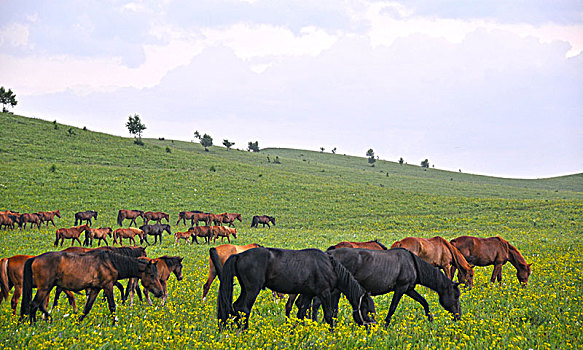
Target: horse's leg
58, 292
93, 292
399, 291
15, 297
303, 303
71, 299
247, 304
499, 276
290, 304
207, 285
77, 238
38, 302
495, 272
421, 300
326, 299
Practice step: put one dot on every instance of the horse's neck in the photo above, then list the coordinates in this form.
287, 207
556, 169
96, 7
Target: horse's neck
515, 258
429, 276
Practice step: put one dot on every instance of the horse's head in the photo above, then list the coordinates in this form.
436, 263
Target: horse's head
233, 231
58, 214
238, 217
150, 278
95, 214
272, 219
449, 298
365, 308
109, 231
467, 277
167, 229
178, 269
523, 272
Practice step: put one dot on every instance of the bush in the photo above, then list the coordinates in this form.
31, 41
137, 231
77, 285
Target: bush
168, 149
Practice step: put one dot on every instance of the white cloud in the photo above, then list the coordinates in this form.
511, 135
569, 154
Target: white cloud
15, 35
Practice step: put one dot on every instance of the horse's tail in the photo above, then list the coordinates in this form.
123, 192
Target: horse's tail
225, 297
255, 221
346, 283
216, 262
56, 238
86, 241
459, 260
119, 218
26, 288
4, 286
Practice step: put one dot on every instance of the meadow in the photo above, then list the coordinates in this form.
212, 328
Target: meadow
318, 199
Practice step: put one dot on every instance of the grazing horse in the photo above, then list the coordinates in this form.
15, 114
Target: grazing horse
264, 219
129, 233
223, 231
493, 251
202, 231
167, 265
94, 270
155, 216
187, 215
8, 220
398, 270
85, 216
217, 219
184, 235
309, 271
72, 233
230, 218
129, 214
221, 254
99, 233
439, 252
11, 274
32, 218
48, 216
155, 230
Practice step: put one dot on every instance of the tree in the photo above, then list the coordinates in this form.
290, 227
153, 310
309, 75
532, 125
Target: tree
228, 144
206, 141
135, 127
370, 155
7, 97
253, 146
197, 135
321, 149
425, 164
334, 150
401, 161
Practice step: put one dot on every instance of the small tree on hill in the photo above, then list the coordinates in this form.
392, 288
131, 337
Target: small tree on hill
370, 155
425, 164
228, 144
206, 141
334, 150
253, 146
401, 161
135, 127
7, 97
321, 149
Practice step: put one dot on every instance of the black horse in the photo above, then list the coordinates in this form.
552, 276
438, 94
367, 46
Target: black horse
398, 270
85, 216
263, 219
309, 271
155, 230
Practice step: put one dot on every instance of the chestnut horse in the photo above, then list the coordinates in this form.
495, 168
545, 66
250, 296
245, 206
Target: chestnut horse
217, 219
8, 219
94, 270
220, 254
187, 215
439, 252
374, 245
72, 233
184, 235
493, 251
202, 231
85, 216
99, 233
129, 214
230, 218
204, 217
129, 233
167, 265
223, 231
264, 219
32, 218
48, 216
11, 274
155, 216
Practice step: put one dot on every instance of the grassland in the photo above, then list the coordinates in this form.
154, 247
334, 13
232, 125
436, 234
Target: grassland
318, 199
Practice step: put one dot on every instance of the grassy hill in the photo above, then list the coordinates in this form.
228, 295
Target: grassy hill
318, 199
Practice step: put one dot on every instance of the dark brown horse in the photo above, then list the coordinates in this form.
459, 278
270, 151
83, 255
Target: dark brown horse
97, 233
129, 214
204, 217
167, 265
231, 217
85, 216
374, 245
202, 231
217, 219
440, 253
32, 218
94, 270
264, 219
9, 219
155, 216
11, 274
72, 233
48, 216
187, 215
493, 251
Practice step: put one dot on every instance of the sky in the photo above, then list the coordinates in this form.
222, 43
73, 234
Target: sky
486, 87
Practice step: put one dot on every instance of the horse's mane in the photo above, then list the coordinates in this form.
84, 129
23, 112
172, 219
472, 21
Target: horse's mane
427, 274
352, 289
458, 258
171, 260
514, 254
380, 244
125, 264
128, 251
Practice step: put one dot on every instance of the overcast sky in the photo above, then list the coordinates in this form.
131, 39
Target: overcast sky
489, 87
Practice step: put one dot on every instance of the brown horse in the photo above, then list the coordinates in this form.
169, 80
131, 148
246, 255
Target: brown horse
231, 217
223, 231
167, 265
493, 251
72, 233
374, 245
98, 233
32, 218
223, 252
86, 216
95, 270
184, 235
202, 231
204, 217
48, 216
129, 233
155, 216
11, 274
129, 214
187, 215
9, 219
264, 219
217, 219
439, 252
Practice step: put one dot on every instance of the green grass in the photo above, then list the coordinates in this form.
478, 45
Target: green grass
318, 199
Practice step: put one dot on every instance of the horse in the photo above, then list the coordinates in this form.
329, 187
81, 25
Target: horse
32, 218
187, 215
374, 245
230, 218
219, 255
155, 216
9, 220
493, 251
196, 217
48, 216
94, 270
223, 231
155, 230
264, 219
11, 274
85, 216
439, 252
398, 270
129, 233
167, 265
201, 231
217, 219
184, 235
72, 233
99, 233
309, 271
129, 214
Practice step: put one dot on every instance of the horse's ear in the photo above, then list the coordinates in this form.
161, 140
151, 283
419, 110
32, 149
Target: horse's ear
529, 265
